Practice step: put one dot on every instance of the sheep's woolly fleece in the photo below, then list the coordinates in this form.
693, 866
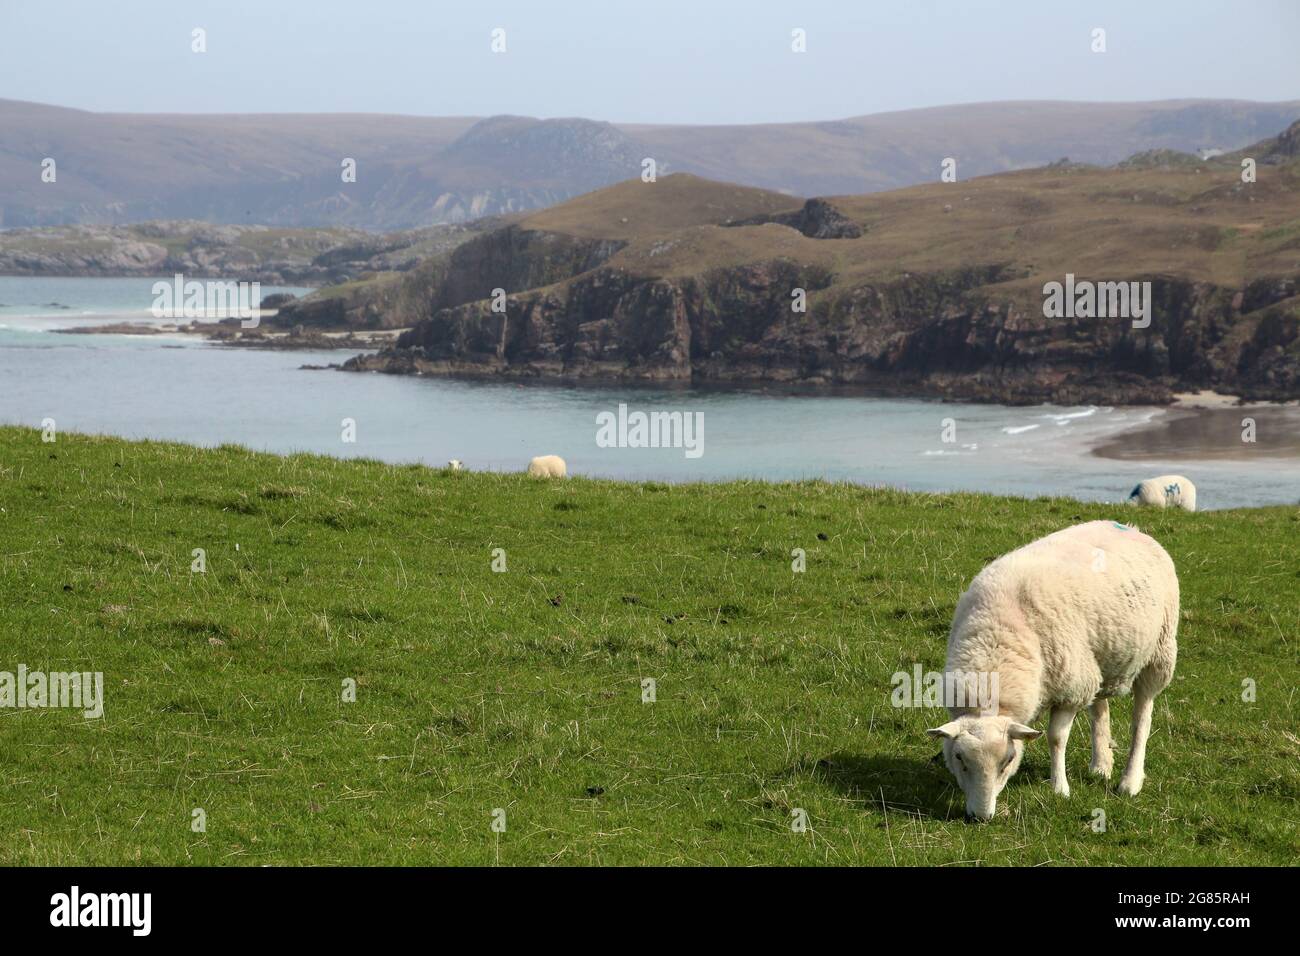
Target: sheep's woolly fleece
1077, 615
547, 466
1165, 491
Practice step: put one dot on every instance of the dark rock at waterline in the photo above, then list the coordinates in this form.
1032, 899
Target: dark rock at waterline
298, 339
115, 328
277, 300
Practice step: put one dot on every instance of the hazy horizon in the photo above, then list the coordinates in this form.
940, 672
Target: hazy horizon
733, 64
619, 121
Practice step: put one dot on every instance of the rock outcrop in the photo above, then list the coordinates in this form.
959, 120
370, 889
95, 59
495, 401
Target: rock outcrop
816, 219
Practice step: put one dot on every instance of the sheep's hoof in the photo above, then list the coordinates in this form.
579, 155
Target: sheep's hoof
1061, 789
1130, 787
1102, 770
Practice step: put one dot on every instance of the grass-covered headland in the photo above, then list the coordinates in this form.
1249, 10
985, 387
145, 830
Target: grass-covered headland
522, 690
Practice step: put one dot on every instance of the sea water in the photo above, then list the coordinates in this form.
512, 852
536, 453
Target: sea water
181, 388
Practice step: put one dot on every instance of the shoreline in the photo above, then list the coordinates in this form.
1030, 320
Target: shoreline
1208, 398
748, 481
1195, 427
1209, 428
228, 332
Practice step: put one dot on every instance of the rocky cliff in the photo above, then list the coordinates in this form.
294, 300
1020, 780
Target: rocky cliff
940, 334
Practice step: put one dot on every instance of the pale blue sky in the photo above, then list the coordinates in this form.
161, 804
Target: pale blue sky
714, 61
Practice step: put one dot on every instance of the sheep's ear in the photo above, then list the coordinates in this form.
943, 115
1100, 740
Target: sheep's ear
1021, 732
949, 730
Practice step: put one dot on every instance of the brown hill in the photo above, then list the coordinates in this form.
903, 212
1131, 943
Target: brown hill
935, 289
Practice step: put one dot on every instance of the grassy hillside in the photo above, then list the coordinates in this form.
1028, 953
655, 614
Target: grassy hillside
522, 690
1197, 221
639, 210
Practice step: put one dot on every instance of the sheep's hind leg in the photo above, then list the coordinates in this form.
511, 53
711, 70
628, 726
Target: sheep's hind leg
1102, 759
1058, 732
1135, 770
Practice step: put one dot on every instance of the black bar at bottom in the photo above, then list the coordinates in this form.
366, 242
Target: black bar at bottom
335, 906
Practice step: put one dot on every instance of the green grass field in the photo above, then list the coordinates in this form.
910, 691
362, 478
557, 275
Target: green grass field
522, 690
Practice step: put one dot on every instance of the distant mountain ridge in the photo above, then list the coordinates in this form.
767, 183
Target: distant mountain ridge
284, 170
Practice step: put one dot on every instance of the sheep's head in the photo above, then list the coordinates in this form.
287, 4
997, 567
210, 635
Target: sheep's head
983, 753
455, 464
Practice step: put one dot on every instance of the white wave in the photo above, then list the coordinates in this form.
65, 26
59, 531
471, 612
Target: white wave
1017, 429
1066, 417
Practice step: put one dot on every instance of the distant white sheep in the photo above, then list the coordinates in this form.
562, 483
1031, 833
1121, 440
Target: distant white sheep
455, 464
1066, 622
547, 466
1167, 491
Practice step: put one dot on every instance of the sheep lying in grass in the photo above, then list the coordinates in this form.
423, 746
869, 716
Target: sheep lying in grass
547, 466
1167, 491
1066, 622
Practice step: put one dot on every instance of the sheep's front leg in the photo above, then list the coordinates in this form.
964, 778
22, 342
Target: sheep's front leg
1135, 770
1058, 732
1102, 759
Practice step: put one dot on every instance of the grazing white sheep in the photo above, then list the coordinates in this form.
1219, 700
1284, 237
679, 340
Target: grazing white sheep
455, 464
1167, 491
1066, 622
547, 466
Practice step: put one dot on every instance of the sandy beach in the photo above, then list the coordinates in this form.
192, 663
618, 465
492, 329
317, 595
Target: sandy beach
1207, 425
